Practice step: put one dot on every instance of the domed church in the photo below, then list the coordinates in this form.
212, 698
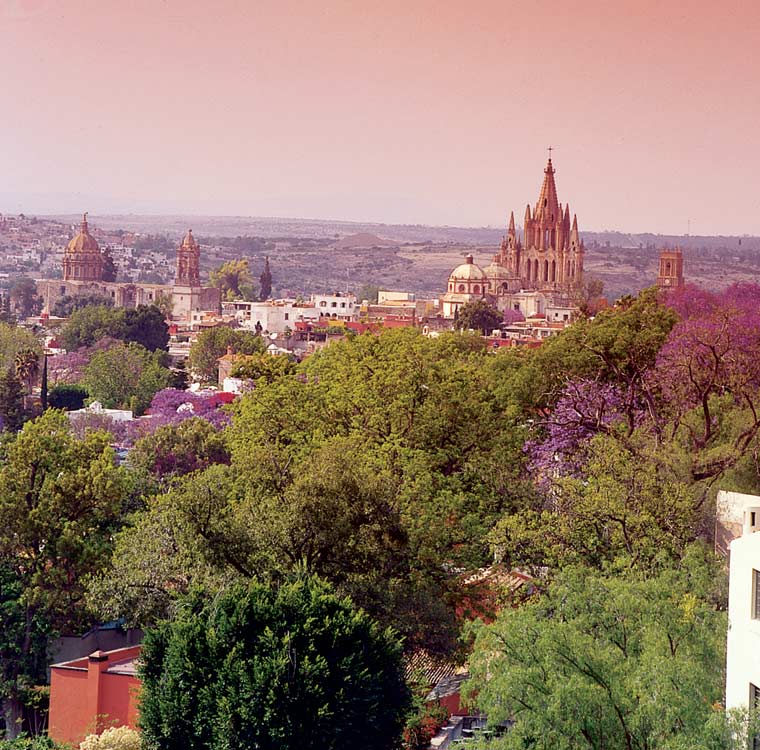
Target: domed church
83, 275
540, 272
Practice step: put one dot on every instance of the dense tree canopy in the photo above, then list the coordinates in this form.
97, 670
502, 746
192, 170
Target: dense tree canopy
234, 280
283, 667
61, 499
214, 343
479, 315
605, 662
126, 376
144, 325
397, 466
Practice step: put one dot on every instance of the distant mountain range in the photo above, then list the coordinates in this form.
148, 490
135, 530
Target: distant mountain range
233, 226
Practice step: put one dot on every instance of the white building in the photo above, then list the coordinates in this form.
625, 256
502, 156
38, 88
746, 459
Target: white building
743, 647
339, 306
272, 316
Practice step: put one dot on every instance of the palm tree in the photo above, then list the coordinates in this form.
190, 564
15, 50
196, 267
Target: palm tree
27, 364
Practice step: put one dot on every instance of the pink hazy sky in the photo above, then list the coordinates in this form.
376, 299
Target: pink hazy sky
393, 110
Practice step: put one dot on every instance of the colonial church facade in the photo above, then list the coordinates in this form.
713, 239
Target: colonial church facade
543, 269
83, 275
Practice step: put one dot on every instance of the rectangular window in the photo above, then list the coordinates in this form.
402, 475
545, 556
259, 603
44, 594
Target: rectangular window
755, 595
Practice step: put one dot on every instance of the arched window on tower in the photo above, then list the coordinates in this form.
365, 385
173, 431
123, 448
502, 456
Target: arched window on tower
554, 271
461, 287
476, 289
546, 270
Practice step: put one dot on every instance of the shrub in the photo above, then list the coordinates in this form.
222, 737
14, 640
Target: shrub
116, 738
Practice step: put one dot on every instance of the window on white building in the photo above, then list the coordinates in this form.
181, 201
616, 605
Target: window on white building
755, 595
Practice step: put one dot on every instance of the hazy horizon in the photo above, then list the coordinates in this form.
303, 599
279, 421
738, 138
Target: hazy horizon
427, 113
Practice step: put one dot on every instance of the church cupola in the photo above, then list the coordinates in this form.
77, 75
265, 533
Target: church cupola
82, 260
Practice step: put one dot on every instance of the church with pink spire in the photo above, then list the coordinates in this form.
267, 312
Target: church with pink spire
538, 273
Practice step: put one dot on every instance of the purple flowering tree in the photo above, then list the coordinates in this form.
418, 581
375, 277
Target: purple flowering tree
171, 406
69, 368
584, 409
713, 351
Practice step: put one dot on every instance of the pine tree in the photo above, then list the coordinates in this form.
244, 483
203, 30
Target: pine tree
11, 401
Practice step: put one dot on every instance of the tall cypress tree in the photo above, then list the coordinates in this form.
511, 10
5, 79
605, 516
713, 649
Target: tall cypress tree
265, 282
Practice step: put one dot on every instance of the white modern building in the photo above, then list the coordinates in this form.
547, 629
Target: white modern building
343, 307
743, 648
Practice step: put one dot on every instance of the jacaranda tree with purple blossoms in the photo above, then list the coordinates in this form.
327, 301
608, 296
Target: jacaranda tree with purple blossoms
711, 363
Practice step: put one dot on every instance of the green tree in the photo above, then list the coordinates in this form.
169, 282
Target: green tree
267, 366
61, 500
14, 339
90, 324
109, 267
11, 402
234, 280
24, 296
213, 343
381, 465
126, 376
287, 667
606, 661
621, 505
369, 292
265, 282
165, 303
27, 366
66, 305
479, 315
145, 325
68, 397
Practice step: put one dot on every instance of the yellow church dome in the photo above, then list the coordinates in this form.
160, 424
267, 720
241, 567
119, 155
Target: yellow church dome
83, 242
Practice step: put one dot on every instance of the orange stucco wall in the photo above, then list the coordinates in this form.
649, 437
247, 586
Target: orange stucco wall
85, 698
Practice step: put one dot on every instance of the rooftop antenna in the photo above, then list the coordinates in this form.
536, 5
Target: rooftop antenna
688, 227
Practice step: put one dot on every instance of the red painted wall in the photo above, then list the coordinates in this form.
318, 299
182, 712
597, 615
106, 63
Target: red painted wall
85, 698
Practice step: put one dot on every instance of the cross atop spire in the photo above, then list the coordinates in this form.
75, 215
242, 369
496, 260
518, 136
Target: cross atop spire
550, 149
548, 205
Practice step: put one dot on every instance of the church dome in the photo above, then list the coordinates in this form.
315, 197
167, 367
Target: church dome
189, 240
468, 271
496, 271
83, 242
82, 260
